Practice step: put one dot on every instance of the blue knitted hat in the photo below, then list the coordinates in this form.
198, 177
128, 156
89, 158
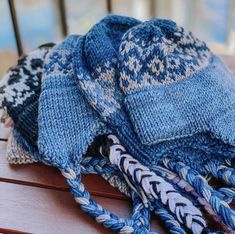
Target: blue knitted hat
108, 77
68, 126
174, 85
101, 70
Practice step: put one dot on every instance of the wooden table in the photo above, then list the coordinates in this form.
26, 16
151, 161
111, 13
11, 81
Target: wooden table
35, 199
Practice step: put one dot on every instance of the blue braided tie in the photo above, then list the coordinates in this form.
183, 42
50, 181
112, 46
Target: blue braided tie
204, 189
138, 222
223, 172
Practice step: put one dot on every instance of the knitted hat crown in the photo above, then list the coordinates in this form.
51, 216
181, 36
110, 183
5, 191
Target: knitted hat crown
174, 85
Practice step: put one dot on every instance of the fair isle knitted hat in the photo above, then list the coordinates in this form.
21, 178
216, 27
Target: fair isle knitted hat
174, 85
101, 69
20, 90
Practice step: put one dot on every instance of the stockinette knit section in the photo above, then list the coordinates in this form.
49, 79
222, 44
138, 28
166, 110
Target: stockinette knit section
67, 125
161, 90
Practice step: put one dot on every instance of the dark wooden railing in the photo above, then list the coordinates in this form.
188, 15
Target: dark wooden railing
63, 20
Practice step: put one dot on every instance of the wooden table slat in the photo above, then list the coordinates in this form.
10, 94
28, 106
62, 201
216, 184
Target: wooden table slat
48, 177
40, 210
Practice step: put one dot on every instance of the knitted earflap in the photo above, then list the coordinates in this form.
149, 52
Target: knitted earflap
20, 89
174, 85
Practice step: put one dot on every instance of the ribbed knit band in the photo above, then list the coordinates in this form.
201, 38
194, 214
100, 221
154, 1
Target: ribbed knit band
16, 154
202, 102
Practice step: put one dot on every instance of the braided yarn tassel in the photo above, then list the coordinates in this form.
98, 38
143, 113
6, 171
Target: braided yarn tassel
205, 190
229, 194
169, 220
102, 215
222, 172
96, 165
181, 183
156, 188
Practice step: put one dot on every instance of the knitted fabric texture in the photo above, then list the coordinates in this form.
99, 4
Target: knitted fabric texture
20, 89
174, 85
88, 91
68, 125
16, 154
100, 63
102, 78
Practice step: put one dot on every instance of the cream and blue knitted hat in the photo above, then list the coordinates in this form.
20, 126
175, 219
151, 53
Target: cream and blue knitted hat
104, 70
174, 85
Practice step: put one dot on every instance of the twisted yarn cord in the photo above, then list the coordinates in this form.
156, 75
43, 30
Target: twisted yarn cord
156, 188
96, 165
181, 183
99, 165
142, 218
223, 172
102, 215
169, 220
229, 193
204, 189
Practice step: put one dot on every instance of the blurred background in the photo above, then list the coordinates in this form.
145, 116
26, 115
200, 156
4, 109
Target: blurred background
25, 24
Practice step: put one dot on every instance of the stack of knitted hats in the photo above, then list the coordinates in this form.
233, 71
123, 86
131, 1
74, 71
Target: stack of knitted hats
147, 106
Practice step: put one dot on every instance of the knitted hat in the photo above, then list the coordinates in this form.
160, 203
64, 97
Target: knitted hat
100, 74
68, 125
99, 71
174, 85
20, 89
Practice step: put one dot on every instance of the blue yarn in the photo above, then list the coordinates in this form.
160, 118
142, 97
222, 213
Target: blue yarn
206, 191
67, 126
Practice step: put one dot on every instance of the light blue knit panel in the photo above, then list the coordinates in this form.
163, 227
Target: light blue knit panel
67, 124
